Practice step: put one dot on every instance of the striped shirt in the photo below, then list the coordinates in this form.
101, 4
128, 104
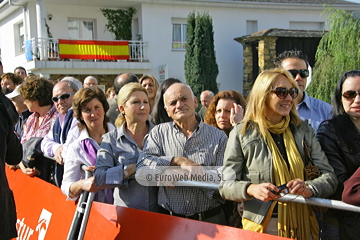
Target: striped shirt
205, 146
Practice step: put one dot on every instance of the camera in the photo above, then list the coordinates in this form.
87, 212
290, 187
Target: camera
283, 188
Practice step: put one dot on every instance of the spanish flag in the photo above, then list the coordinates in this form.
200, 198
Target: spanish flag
93, 49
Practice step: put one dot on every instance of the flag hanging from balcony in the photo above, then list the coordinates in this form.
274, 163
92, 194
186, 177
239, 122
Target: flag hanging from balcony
93, 49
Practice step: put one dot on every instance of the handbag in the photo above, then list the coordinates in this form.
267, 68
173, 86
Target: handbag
310, 170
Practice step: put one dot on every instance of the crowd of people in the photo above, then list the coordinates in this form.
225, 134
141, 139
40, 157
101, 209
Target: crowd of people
256, 144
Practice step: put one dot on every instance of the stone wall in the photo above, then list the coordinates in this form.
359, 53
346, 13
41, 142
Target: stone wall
107, 80
248, 69
266, 50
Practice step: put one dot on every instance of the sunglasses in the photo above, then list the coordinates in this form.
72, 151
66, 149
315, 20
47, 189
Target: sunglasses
282, 92
350, 94
303, 73
62, 96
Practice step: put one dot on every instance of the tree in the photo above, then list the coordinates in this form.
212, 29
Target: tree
119, 22
338, 52
201, 69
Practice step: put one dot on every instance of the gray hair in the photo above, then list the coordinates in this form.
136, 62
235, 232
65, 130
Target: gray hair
89, 77
208, 92
73, 83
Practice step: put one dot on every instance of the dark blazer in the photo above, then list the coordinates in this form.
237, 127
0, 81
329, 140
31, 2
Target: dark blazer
11, 153
113, 111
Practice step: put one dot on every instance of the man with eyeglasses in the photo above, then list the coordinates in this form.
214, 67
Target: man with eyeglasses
64, 130
309, 108
90, 81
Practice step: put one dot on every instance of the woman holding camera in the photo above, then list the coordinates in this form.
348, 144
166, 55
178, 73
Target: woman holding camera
265, 151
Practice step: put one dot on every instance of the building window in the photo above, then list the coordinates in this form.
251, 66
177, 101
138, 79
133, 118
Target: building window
179, 36
19, 38
81, 29
251, 26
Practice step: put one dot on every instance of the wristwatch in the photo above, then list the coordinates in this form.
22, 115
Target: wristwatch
126, 173
313, 190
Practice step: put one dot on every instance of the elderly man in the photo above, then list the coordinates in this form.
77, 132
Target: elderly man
65, 127
309, 108
119, 82
90, 81
205, 99
21, 72
185, 142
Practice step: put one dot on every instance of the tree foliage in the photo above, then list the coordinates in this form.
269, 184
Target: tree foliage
338, 52
201, 69
119, 22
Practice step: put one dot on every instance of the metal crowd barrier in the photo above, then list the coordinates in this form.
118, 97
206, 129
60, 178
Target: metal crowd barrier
77, 229
321, 202
78, 225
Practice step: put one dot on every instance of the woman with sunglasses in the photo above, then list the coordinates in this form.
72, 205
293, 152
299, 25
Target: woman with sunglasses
90, 106
340, 140
265, 151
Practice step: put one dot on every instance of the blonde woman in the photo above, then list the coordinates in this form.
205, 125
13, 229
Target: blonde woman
265, 151
119, 151
151, 85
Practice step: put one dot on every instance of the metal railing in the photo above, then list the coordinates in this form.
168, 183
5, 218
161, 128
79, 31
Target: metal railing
46, 49
78, 225
321, 202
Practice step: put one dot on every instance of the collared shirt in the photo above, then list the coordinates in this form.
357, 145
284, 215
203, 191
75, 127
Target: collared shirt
43, 129
205, 146
117, 150
314, 110
74, 158
48, 144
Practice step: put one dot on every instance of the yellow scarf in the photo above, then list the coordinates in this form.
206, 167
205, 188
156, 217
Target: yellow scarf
295, 220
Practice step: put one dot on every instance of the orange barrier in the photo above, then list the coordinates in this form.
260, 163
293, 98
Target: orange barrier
43, 213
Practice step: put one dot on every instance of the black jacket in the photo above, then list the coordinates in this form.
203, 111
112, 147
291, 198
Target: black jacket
340, 141
11, 153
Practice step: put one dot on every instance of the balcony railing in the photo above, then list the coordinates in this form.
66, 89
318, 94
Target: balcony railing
47, 49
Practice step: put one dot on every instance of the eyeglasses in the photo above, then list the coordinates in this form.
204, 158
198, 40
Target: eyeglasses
282, 92
303, 73
350, 94
62, 96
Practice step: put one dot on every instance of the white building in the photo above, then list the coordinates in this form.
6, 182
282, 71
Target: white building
158, 22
